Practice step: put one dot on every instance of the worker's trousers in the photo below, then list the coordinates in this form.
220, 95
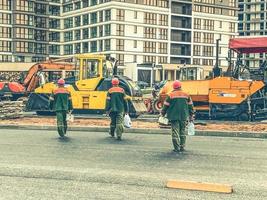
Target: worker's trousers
62, 125
116, 123
178, 134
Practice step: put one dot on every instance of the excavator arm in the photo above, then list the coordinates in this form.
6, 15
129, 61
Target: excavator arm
31, 80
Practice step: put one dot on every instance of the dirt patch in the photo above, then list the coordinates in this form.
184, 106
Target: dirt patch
227, 126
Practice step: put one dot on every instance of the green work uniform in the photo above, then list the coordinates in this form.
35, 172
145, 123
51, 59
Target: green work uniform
62, 103
178, 106
117, 105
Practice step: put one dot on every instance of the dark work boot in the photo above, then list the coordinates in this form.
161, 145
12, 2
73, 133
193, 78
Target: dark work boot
175, 145
182, 148
119, 138
111, 132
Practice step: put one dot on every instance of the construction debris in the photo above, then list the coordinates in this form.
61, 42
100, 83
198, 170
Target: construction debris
11, 109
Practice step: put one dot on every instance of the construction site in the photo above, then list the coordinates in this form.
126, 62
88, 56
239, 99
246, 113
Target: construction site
236, 93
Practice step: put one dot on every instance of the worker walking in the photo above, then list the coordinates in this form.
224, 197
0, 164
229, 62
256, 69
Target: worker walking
117, 106
179, 108
61, 104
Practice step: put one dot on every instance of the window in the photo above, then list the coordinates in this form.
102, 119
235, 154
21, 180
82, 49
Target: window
163, 48
85, 33
25, 47
120, 29
85, 47
107, 30
77, 21
5, 18
77, 34
94, 46
149, 59
5, 46
68, 36
107, 15
207, 51
163, 20
120, 15
197, 51
208, 38
119, 45
197, 37
208, 24
120, 58
135, 14
163, 59
85, 3
150, 18
163, 34
85, 19
232, 27
5, 32
54, 49
54, 37
90, 69
93, 32
150, 47
94, 18
197, 23
68, 49
107, 45
135, 29
150, 32
135, 43
68, 23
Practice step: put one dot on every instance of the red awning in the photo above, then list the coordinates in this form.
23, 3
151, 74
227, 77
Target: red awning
249, 44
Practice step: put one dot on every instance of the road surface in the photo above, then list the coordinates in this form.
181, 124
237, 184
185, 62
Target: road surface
38, 165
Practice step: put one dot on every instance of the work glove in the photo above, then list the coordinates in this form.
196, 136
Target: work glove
191, 118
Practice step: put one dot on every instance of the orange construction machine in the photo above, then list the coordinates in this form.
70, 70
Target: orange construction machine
229, 97
34, 78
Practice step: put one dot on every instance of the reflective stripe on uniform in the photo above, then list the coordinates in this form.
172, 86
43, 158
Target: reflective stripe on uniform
61, 91
116, 89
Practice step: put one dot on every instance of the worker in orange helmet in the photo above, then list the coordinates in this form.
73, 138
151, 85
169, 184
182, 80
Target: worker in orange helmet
61, 104
179, 108
116, 107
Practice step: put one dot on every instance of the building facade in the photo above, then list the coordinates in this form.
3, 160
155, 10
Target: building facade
133, 31
252, 17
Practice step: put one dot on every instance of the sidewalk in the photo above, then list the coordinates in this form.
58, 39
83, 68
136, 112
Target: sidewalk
219, 133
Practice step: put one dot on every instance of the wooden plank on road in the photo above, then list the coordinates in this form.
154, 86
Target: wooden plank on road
209, 187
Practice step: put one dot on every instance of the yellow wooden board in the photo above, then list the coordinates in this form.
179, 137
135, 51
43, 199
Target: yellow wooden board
209, 187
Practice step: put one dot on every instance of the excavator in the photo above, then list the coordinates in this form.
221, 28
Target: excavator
89, 87
34, 78
230, 97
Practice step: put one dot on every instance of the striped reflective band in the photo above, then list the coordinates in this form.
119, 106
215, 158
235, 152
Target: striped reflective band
61, 91
116, 89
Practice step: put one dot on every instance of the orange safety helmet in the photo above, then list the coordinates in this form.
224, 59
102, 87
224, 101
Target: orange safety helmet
176, 85
115, 81
61, 81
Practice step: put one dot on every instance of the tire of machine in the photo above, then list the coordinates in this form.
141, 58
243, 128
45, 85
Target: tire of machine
243, 117
157, 106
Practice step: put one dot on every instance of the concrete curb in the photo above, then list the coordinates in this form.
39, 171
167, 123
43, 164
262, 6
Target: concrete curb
242, 134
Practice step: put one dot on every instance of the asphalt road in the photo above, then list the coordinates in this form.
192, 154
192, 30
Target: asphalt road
38, 165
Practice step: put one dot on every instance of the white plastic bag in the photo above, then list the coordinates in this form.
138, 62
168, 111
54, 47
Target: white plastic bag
191, 128
70, 117
127, 121
163, 120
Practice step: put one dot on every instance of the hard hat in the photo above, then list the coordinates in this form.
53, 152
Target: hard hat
61, 81
176, 84
115, 81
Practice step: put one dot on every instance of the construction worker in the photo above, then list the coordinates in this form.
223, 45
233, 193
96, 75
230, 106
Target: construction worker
117, 106
62, 104
179, 108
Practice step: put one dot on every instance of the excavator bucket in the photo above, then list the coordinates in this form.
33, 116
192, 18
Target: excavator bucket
139, 106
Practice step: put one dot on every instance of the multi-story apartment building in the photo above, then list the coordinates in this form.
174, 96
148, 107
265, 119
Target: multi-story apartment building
213, 20
252, 17
141, 31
